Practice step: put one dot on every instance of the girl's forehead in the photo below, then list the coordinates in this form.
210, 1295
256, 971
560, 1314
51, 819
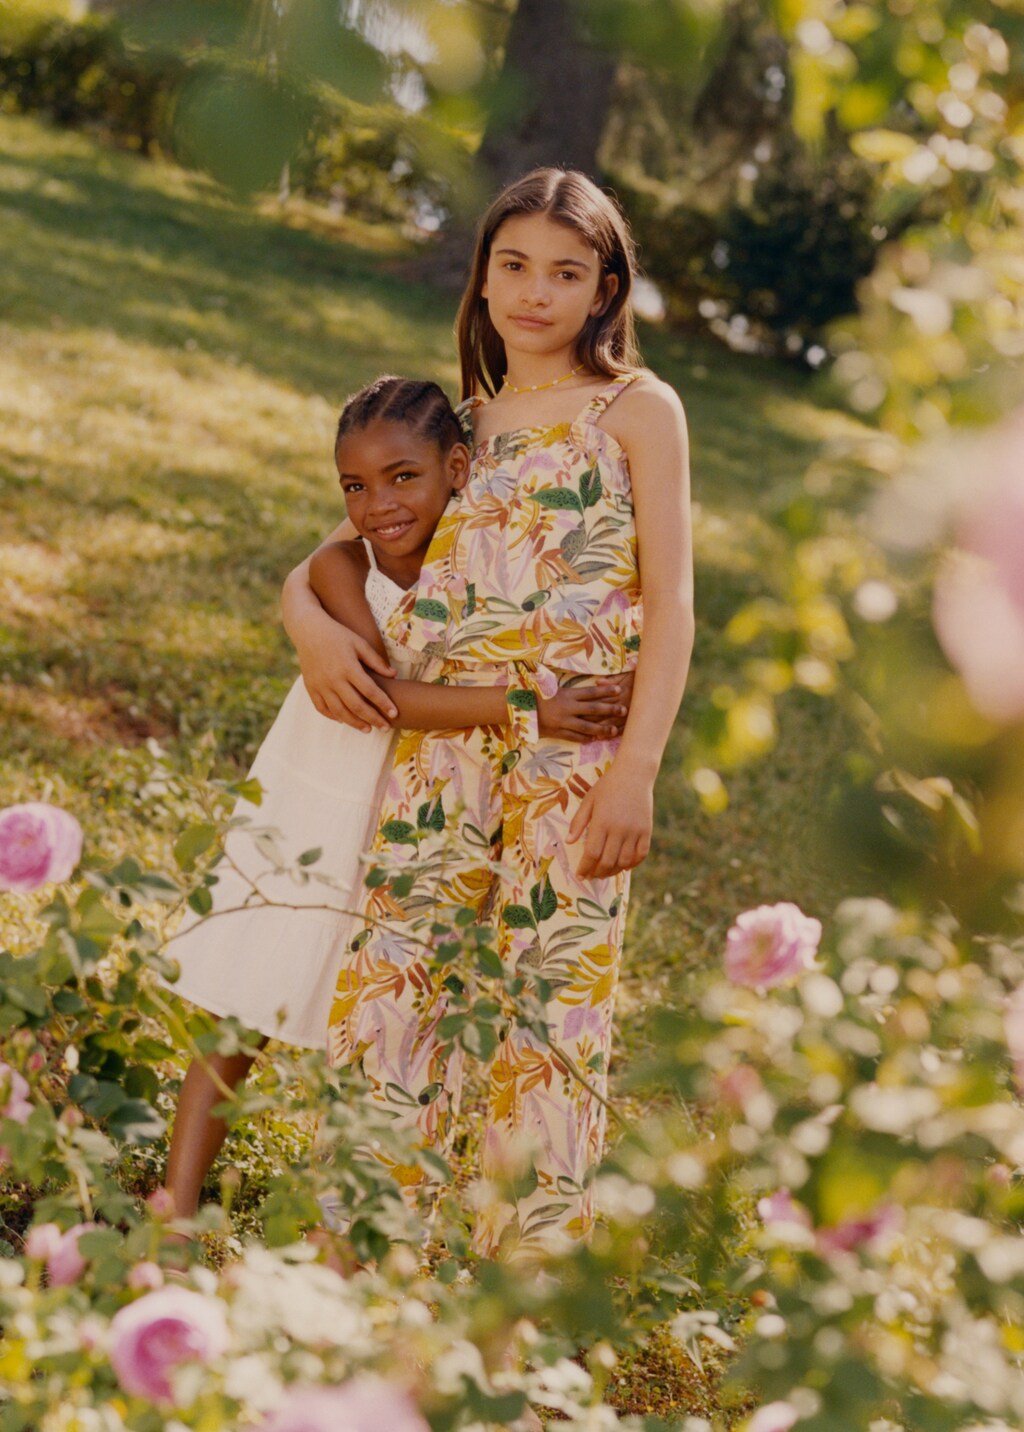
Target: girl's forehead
381, 443
541, 237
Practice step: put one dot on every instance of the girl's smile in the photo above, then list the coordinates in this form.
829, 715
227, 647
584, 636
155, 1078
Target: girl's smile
396, 486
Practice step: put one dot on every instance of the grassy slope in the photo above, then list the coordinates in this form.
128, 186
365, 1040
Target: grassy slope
170, 368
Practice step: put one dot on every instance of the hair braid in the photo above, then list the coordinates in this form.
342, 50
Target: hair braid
421, 405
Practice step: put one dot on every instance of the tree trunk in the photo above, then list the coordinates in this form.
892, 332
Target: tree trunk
551, 108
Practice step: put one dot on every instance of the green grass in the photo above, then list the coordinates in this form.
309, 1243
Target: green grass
171, 365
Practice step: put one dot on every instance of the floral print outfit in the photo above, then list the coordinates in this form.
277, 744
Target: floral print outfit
531, 581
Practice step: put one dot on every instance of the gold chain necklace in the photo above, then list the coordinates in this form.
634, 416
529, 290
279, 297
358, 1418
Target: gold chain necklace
536, 387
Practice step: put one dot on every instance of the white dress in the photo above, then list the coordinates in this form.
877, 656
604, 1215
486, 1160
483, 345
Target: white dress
323, 783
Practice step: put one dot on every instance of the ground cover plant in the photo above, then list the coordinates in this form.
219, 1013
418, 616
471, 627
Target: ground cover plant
814, 1179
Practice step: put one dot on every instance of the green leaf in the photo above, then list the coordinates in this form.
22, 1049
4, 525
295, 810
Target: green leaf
248, 790
509, 761
192, 843
590, 487
543, 900
517, 917
470, 599
430, 815
558, 497
522, 700
632, 643
536, 599
136, 1122
431, 611
399, 832
310, 857
201, 900
487, 960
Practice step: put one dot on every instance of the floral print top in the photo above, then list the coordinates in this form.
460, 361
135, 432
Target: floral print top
534, 564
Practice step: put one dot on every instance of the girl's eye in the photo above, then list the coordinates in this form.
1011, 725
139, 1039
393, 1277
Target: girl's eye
405, 476
349, 487
513, 264
568, 273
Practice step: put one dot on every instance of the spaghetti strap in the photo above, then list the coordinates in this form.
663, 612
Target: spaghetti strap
370, 556
597, 405
464, 412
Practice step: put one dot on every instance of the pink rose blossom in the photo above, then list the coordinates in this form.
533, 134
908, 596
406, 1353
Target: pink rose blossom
773, 1417
738, 1086
39, 843
14, 1101
158, 1333
364, 1404
1013, 1026
855, 1233
978, 607
146, 1276
780, 1210
65, 1265
161, 1203
41, 1241
771, 944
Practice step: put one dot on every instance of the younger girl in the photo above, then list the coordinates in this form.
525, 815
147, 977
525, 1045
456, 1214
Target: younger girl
577, 499
401, 455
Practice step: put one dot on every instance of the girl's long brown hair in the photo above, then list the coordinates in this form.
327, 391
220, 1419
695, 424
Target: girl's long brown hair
607, 342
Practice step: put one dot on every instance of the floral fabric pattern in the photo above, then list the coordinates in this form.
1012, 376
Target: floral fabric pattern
482, 820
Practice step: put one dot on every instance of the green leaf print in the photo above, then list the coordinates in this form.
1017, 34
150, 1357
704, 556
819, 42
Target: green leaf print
430, 815
509, 761
543, 900
360, 940
517, 917
522, 700
557, 497
431, 611
470, 599
632, 643
536, 599
590, 487
398, 832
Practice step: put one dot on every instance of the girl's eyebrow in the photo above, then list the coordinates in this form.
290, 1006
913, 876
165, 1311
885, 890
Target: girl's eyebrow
389, 467
556, 263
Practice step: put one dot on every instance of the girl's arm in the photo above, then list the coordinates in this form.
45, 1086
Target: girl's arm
335, 662
617, 813
337, 578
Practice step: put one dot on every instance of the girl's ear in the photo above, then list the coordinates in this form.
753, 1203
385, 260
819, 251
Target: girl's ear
458, 466
607, 290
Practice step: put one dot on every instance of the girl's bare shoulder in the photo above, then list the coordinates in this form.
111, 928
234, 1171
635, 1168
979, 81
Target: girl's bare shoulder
647, 409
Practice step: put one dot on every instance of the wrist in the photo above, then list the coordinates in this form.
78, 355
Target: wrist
642, 766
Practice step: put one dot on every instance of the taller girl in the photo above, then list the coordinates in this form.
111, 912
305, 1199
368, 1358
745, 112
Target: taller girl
577, 501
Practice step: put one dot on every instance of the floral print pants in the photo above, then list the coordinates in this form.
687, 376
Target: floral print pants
482, 819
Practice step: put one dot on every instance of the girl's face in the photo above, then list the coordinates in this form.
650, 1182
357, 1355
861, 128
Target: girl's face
397, 484
543, 282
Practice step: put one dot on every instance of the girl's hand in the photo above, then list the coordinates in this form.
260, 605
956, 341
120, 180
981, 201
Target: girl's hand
335, 669
587, 713
617, 815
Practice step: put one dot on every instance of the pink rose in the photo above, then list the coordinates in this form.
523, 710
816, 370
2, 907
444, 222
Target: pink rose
158, 1333
771, 944
65, 1265
41, 1241
978, 607
780, 1210
14, 1101
364, 1404
854, 1233
1013, 1025
773, 1417
146, 1276
38, 844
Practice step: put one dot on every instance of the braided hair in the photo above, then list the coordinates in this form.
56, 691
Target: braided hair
422, 406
